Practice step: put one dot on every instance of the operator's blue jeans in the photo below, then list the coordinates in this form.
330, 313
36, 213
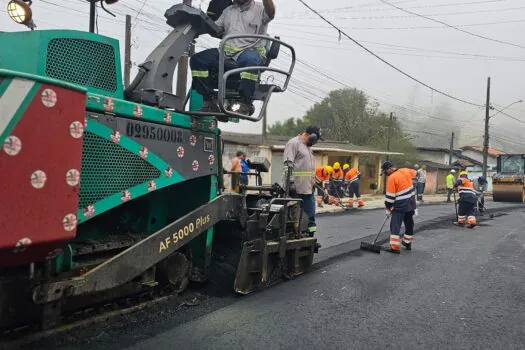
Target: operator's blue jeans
309, 210
205, 68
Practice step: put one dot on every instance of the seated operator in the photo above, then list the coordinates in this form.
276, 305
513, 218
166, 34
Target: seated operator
243, 17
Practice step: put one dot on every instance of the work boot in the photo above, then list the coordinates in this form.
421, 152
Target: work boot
360, 203
391, 250
408, 246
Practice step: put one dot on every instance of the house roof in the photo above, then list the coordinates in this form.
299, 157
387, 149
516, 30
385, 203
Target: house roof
278, 142
436, 165
433, 149
493, 152
465, 161
462, 160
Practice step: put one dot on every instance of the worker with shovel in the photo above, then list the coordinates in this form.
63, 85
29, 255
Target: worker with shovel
400, 204
352, 178
322, 176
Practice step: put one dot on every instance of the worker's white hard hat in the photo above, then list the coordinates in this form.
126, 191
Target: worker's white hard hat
452, 171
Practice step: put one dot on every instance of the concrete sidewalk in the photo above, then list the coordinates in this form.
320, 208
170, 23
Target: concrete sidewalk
378, 202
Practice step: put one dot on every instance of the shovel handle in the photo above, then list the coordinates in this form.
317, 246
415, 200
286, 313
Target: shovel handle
381, 229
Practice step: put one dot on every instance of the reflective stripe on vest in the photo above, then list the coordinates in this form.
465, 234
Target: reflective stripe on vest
232, 50
302, 173
249, 76
199, 73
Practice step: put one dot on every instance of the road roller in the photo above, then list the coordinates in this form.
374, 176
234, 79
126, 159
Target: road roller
508, 185
110, 191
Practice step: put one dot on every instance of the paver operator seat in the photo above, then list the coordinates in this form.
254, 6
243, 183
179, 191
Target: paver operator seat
153, 84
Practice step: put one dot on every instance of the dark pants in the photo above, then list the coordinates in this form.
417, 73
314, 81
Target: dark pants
449, 193
466, 210
205, 68
309, 210
420, 190
353, 189
398, 219
336, 189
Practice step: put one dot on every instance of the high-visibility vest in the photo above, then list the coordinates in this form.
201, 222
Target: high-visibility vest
352, 175
466, 190
337, 175
321, 175
400, 190
450, 181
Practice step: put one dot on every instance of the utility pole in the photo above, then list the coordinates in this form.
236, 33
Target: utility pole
127, 52
486, 138
264, 126
451, 148
388, 145
182, 70
92, 10
389, 134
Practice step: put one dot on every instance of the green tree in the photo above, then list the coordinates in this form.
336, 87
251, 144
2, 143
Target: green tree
289, 127
347, 115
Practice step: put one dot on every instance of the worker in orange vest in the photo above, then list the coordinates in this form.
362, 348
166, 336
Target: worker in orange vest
400, 204
322, 176
337, 181
352, 181
467, 200
346, 169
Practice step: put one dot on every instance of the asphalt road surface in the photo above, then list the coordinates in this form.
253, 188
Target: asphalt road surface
458, 288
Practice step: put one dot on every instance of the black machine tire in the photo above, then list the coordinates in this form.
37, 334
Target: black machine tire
175, 270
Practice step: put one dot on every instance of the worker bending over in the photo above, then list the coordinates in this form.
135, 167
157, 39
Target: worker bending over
400, 203
480, 185
467, 200
322, 176
352, 182
337, 181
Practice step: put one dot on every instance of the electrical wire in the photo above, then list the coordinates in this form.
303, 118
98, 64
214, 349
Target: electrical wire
456, 13
140, 11
453, 27
385, 61
352, 9
508, 115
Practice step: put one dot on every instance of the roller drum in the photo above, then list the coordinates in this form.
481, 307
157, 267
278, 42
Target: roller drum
508, 193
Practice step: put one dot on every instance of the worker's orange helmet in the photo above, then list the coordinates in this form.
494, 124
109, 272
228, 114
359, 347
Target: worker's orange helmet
337, 166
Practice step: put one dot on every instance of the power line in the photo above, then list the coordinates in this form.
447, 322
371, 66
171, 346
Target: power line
417, 27
351, 8
456, 56
508, 115
456, 13
385, 61
140, 10
453, 27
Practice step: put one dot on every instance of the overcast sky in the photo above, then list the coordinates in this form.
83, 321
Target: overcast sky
442, 57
